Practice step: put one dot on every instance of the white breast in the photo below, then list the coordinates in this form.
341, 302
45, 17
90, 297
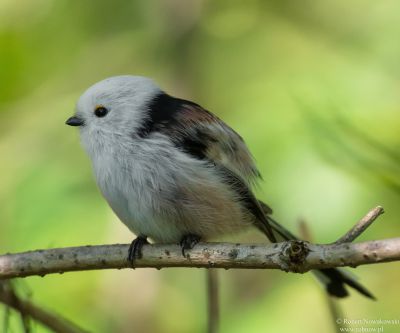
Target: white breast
135, 181
160, 192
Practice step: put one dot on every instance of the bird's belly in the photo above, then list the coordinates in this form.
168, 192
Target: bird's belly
166, 202
142, 208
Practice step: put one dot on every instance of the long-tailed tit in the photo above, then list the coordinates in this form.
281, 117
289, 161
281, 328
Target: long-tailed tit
172, 171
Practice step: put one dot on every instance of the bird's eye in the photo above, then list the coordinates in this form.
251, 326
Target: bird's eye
100, 111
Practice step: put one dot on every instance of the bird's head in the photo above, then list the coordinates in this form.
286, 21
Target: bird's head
114, 106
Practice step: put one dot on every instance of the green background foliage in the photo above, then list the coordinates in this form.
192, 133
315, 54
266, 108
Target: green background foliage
313, 87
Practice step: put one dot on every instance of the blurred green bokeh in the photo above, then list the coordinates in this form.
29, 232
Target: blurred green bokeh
313, 87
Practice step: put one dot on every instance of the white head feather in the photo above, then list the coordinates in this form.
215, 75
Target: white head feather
125, 97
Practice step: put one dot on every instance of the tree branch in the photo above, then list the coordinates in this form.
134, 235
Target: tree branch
213, 301
361, 225
29, 310
294, 256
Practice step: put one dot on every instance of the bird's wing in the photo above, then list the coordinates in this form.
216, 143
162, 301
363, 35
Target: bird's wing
201, 134
204, 136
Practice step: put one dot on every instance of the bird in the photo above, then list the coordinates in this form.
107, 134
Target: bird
174, 172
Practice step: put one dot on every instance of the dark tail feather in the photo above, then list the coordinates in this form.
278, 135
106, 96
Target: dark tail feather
335, 280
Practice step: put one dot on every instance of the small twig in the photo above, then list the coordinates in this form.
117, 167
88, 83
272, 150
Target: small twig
25, 321
335, 312
29, 310
361, 225
6, 320
304, 231
333, 307
213, 300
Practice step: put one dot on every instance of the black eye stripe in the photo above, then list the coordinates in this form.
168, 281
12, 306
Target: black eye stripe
100, 111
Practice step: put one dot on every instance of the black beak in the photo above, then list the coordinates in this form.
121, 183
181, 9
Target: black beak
74, 121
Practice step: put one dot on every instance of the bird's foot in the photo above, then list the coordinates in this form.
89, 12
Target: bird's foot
188, 242
135, 250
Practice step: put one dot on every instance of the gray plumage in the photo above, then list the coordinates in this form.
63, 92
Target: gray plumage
155, 188
168, 168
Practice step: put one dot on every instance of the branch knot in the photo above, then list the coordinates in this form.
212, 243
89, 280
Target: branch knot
294, 254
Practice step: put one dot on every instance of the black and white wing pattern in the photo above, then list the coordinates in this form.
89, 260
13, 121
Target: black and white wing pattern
204, 136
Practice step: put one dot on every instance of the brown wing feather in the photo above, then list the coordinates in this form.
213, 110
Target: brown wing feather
215, 140
203, 135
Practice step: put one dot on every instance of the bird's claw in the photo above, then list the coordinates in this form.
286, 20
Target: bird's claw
135, 249
188, 242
